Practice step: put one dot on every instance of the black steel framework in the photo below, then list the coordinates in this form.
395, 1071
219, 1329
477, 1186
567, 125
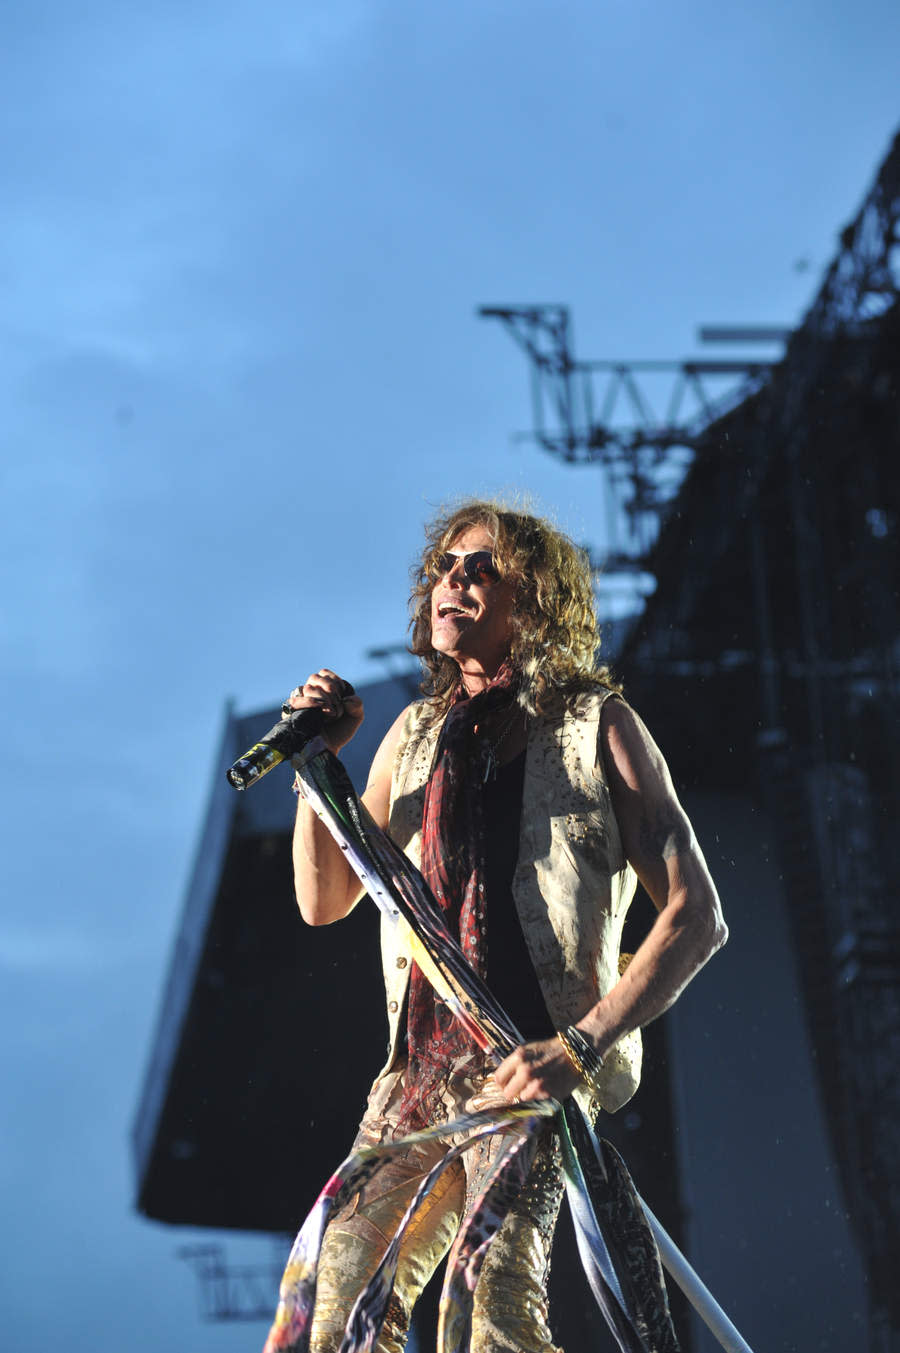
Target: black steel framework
230, 1291
605, 413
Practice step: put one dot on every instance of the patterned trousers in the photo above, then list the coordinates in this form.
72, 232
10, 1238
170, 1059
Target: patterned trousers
510, 1302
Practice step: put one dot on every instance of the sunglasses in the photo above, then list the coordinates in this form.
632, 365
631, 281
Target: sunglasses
478, 566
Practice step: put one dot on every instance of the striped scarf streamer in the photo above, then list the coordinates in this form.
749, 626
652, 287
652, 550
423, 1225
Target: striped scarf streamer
616, 1245
482, 1222
367, 1316
293, 1320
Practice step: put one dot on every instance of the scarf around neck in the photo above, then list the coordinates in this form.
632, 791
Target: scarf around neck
453, 865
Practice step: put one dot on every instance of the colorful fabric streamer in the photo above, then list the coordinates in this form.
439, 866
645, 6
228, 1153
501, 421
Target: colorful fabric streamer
293, 1321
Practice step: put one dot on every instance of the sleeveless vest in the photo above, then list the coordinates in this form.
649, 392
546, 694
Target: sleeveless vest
572, 885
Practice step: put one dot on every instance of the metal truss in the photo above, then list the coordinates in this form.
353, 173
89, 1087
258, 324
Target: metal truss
861, 286
863, 281
603, 410
640, 421
235, 1291
849, 950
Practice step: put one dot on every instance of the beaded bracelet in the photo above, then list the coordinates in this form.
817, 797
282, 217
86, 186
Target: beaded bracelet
581, 1056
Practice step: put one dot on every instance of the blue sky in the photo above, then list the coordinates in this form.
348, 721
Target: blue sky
241, 249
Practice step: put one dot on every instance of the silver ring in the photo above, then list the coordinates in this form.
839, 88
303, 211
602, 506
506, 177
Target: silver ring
287, 708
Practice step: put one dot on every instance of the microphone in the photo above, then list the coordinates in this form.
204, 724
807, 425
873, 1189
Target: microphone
279, 744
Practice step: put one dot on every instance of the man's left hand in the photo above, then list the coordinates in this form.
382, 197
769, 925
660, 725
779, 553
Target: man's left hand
537, 1071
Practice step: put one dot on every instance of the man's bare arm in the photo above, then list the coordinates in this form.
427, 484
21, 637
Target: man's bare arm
660, 843
325, 885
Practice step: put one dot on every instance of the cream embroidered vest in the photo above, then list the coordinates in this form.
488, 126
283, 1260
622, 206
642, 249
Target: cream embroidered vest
572, 886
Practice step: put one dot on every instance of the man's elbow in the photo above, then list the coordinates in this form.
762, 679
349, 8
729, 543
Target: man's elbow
715, 931
703, 922
311, 908
318, 907
719, 934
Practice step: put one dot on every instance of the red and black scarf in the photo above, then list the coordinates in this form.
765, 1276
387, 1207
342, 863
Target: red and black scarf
453, 851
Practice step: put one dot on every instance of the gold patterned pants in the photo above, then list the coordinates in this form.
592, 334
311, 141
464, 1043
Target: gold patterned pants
510, 1302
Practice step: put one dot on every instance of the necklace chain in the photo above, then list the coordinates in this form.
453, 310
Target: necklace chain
492, 762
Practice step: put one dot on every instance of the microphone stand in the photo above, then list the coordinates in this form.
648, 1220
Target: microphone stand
391, 880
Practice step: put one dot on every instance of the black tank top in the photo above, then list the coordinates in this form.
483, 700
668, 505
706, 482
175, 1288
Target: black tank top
510, 974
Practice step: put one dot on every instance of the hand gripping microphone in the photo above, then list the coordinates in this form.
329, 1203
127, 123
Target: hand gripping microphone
279, 744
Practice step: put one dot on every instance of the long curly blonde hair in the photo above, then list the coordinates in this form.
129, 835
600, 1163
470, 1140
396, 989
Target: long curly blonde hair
556, 636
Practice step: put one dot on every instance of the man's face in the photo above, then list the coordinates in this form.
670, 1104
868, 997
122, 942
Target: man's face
472, 621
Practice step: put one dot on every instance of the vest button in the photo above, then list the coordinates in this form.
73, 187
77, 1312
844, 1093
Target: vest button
393, 1007
402, 961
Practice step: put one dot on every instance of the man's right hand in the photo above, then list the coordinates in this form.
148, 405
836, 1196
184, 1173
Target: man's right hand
326, 886
326, 690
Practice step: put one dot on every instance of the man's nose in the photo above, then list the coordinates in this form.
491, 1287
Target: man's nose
457, 574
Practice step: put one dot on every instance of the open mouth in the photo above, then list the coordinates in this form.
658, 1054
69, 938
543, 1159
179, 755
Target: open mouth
447, 609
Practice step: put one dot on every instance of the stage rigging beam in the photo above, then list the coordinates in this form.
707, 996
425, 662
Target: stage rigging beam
566, 392
604, 413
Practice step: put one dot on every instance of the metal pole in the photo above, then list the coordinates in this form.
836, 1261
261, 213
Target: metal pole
697, 1293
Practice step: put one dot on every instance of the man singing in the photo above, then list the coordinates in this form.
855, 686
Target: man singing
531, 796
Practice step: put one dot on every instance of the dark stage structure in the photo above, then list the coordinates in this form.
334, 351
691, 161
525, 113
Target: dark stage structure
766, 1135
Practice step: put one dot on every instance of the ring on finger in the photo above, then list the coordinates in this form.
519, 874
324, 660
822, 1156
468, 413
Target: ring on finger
287, 708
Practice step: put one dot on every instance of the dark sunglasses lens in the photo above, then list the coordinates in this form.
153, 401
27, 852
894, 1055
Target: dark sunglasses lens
480, 567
